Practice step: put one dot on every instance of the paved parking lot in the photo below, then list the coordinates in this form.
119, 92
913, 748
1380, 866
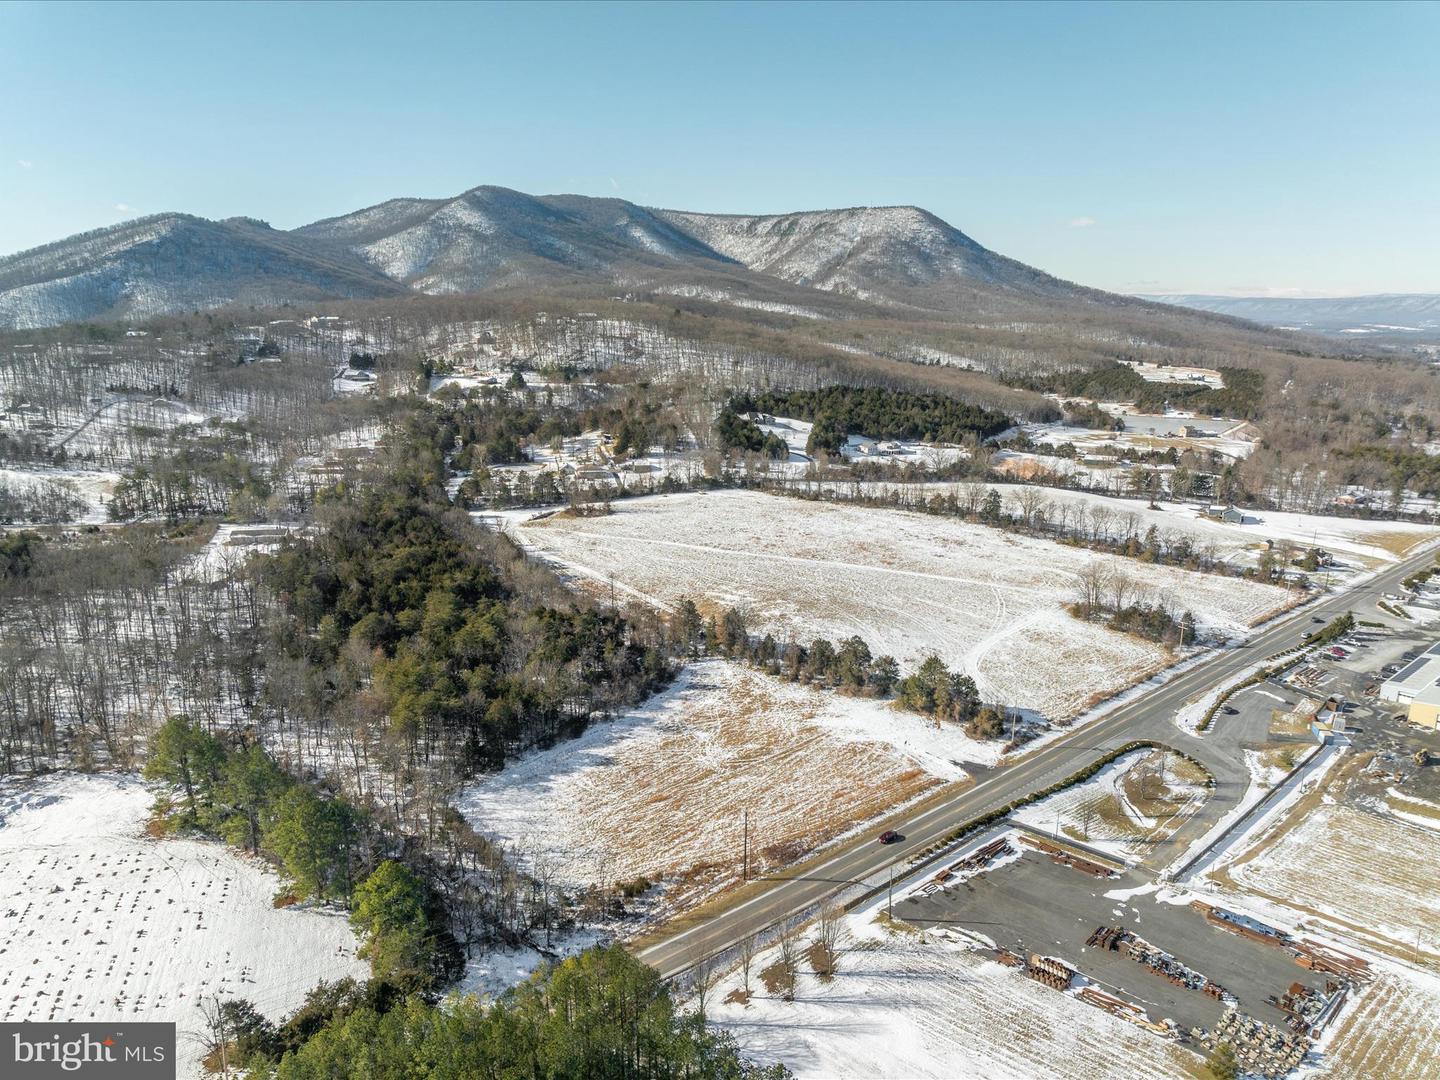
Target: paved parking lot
1380, 727
1034, 905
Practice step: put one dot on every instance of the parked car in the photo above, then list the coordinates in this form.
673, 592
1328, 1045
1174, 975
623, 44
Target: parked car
890, 836
1229, 710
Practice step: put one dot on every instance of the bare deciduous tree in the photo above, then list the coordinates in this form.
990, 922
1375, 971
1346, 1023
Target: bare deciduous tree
789, 962
827, 935
747, 948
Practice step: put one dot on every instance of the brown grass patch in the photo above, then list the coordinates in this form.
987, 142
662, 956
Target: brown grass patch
777, 980
822, 960
1397, 543
1415, 807
1283, 755
668, 801
1295, 721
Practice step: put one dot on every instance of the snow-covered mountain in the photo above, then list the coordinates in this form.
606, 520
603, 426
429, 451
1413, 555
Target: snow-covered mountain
861, 251
173, 263
1388, 313
492, 237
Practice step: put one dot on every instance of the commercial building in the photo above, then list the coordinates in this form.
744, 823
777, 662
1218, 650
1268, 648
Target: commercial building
1417, 686
1425, 708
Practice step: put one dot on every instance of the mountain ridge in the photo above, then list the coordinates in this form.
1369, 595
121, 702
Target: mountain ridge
491, 237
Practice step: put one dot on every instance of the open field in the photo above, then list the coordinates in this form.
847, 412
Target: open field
1146, 432
659, 792
917, 1005
101, 921
1126, 809
91, 485
989, 603
1390, 1032
1356, 540
1368, 872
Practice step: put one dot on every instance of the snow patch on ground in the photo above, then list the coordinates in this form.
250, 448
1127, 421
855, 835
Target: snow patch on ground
103, 922
925, 1005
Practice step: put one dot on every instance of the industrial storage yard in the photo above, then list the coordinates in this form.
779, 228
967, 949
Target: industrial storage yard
916, 1004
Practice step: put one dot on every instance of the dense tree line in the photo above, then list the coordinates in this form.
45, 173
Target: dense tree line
101, 633
195, 480
848, 667
934, 690
494, 429
463, 665
1241, 396
1404, 467
328, 848
46, 502
839, 411
601, 1015
736, 432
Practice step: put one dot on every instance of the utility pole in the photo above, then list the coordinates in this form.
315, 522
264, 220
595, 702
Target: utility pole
890, 896
745, 845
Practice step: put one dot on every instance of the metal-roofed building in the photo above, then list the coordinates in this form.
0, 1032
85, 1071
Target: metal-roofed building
1417, 685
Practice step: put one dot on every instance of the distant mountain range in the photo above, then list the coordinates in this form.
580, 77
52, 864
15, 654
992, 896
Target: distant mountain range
490, 238
1383, 313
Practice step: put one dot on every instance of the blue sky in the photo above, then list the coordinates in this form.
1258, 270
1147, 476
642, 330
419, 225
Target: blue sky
1239, 148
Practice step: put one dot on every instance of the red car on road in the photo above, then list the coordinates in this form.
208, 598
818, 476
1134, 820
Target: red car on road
889, 836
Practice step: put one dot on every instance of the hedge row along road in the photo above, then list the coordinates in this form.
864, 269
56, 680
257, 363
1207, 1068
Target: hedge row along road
1148, 717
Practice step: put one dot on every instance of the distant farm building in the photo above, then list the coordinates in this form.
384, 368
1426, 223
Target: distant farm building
1225, 513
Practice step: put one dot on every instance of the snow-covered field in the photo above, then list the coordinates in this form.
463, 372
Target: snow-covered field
232, 545
660, 791
989, 603
1127, 808
1175, 373
94, 486
1369, 871
103, 922
1144, 432
1391, 1031
920, 1005
1364, 541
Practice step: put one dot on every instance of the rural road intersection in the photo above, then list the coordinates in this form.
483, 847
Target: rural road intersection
1148, 716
